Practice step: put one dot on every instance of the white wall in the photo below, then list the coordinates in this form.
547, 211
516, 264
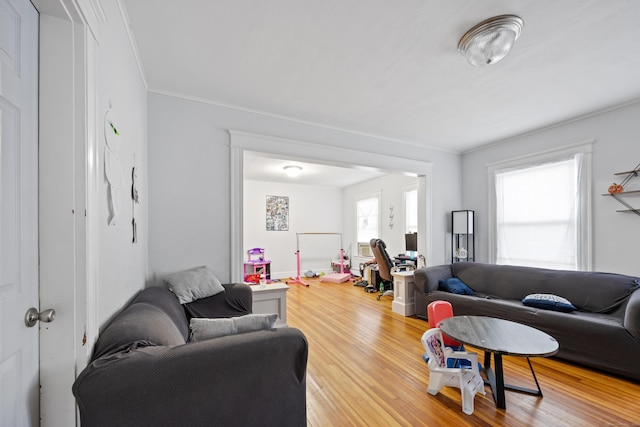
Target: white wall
311, 209
122, 265
616, 148
390, 189
189, 178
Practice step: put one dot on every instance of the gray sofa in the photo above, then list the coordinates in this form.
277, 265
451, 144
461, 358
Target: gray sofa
144, 372
603, 333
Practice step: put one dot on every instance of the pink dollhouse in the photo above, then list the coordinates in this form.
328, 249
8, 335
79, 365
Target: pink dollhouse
256, 264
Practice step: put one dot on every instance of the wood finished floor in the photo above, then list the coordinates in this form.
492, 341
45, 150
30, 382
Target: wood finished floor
365, 368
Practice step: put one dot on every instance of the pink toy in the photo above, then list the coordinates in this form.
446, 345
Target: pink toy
337, 277
332, 277
256, 264
297, 278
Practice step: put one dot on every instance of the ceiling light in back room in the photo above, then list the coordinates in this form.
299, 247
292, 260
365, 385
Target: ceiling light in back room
491, 40
292, 171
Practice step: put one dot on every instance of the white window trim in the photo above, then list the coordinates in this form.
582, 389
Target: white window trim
405, 190
585, 229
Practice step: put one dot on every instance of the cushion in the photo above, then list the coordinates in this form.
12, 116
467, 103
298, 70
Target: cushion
548, 302
193, 284
204, 329
455, 286
236, 300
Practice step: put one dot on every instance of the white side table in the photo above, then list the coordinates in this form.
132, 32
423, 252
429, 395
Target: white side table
403, 293
271, 298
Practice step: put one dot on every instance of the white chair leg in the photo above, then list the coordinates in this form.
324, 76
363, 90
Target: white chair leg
436, 382
467, 401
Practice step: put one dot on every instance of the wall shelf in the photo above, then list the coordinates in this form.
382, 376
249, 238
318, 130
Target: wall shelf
617, 190
624, 192
635, 172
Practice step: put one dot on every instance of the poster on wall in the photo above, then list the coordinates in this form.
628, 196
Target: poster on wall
277, 213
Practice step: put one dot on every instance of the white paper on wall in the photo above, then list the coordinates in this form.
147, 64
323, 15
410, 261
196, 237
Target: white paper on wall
113, 166
135, 199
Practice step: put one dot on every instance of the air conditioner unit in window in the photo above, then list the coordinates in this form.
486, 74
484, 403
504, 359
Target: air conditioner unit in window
364, 249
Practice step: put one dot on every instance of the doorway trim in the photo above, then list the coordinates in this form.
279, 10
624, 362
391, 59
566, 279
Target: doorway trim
240, 141
69, 176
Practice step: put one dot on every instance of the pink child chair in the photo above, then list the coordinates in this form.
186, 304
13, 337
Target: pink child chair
438, 311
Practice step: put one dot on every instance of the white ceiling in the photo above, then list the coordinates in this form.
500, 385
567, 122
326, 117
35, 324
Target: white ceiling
390, 68
261, 167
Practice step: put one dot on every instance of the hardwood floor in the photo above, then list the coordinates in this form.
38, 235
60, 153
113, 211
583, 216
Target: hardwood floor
365, 369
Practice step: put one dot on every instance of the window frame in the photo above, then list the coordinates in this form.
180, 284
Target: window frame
584, 232
405, 190
378, 196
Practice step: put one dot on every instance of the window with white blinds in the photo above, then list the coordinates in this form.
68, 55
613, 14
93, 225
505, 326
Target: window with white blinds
411, 210
541, 213
367, 217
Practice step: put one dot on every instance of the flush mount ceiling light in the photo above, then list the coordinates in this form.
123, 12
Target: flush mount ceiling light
292, 171
491, 40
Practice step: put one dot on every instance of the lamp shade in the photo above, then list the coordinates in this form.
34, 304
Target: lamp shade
491, 40
462, 222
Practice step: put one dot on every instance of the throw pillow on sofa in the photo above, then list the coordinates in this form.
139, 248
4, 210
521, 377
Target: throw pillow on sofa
193, 284
549, 302
204, 329
455, 286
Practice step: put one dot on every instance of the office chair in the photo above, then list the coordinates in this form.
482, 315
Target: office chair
385, 267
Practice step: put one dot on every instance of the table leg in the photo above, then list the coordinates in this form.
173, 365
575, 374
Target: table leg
535, 378
500, 399
495, 378
537, 392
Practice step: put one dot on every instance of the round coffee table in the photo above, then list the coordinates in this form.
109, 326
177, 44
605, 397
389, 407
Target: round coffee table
501, 337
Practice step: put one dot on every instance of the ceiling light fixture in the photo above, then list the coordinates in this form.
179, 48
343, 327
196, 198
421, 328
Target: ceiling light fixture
292, 171
491, 40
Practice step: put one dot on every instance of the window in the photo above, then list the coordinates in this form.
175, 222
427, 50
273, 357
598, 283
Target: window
541, 212
411, 210
367, 212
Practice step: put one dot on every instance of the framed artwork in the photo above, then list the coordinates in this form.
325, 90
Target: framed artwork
277, 213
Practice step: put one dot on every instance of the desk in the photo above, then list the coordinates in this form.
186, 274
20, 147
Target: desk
403, 293
401, 260
500, 337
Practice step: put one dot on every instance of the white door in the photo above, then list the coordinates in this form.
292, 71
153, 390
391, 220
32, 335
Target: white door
19, 373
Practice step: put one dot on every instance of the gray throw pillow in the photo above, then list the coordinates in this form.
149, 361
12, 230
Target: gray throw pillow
204, 329
193, 284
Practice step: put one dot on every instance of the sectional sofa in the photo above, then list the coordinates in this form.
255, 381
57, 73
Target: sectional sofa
603, 331
145, 370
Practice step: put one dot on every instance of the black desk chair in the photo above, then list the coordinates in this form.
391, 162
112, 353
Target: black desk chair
385, 267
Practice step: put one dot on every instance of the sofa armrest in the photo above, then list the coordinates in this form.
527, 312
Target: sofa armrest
236, 300
632, 315
426, 278
256, 378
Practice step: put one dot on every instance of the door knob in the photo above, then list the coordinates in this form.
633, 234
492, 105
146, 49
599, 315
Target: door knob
32, 316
